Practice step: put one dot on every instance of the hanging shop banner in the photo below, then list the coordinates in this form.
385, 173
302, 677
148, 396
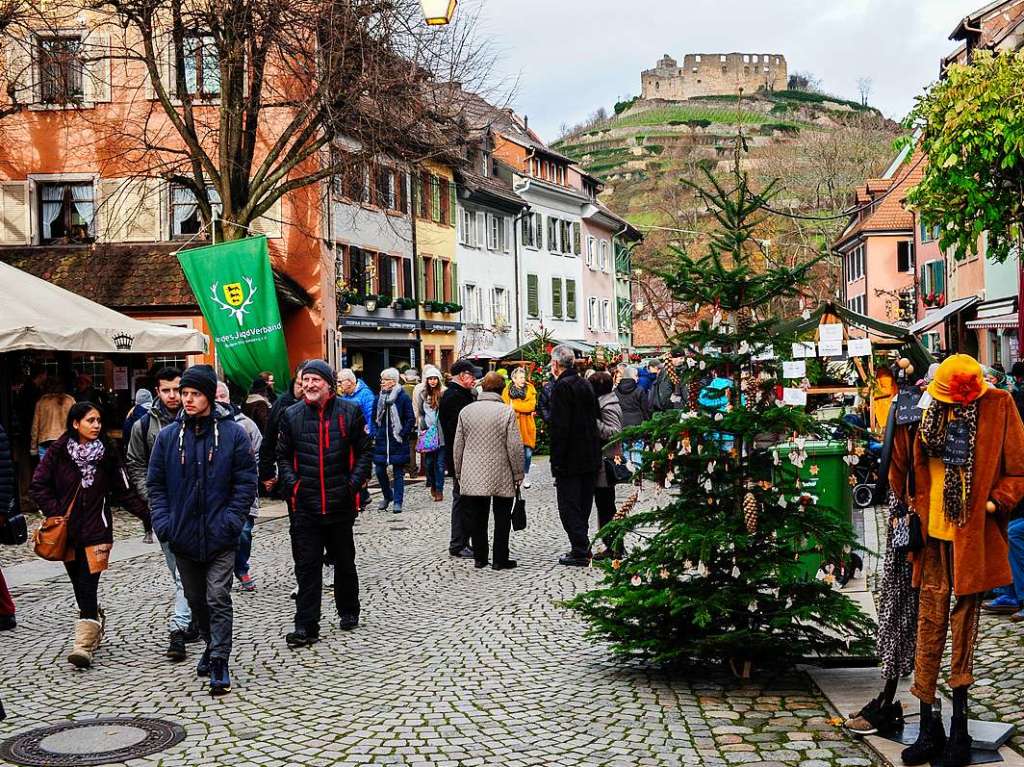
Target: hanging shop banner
234, 286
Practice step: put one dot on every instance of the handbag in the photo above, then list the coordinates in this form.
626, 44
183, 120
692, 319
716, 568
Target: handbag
50, 540
519, 513
14, 531
429, 441
616, 472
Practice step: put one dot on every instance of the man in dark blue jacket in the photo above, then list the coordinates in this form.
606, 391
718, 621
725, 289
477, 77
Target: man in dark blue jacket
323, 461
202, 482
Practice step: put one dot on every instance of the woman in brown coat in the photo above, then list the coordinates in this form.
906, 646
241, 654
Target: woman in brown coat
488, 454
963, 473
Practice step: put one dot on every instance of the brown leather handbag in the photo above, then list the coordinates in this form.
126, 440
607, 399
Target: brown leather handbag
51, 537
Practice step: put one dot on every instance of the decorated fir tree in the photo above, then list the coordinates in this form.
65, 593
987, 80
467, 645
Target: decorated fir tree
721, 572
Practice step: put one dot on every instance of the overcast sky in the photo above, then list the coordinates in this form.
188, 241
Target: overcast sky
572, 56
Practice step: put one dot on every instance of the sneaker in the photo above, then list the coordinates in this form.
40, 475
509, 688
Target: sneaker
570, 560
875, 717
220, 680
348, 621
383, 505
1017, 617
247, 583
1003, 605
7, 622
465, 553
526, 482
301, 638
397, 509
203, 667
176, 646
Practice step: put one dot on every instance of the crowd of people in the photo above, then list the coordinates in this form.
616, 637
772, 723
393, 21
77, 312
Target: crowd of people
194, 466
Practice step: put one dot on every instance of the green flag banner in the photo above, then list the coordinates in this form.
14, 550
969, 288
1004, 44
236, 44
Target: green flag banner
234, 286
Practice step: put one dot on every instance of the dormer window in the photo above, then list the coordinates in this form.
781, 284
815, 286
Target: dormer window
485, 163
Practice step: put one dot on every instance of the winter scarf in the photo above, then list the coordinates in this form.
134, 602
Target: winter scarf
86, 457
386, 407
514, 392
956, 489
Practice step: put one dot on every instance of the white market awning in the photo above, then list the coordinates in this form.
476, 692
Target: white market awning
1002, 322
37, 315
947, 311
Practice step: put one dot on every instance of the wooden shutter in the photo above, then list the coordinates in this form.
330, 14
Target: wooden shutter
556, 296
164, 60
96, 74
506, 233
452, 203
454, 276
14, 213
402, 192
270, 223
577, 239
532, 295
570, 299
526, 231
422, 279
435, 199
129, 210
481, 230
21, 70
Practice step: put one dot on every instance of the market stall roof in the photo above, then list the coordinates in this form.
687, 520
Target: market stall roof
38, 315
580, 347
943, 314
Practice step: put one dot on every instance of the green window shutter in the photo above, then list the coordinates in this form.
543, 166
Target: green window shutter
556, 296
940, 277
532, 296
526, 231
421, 285
451, 203
570, 299
435, 198
577, 245
455, 283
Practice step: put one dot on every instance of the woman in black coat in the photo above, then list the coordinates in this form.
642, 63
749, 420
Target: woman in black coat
79, 476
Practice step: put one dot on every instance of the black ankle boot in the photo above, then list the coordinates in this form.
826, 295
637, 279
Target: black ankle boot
957, 752
930, 741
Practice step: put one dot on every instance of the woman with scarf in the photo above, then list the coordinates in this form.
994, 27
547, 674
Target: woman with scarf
521, 396
395, 422
80, 475
426, 400
967, 462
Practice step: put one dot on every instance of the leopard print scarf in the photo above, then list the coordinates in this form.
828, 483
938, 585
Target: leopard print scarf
956, 489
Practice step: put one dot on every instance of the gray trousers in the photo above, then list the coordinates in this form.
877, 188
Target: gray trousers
208, 591
460, 525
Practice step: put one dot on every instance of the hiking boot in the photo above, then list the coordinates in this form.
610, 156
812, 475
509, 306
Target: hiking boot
301, 638
7, 622
176, 646
348, 621
876, 717
87, 639
220, 680
203, 667
247, 583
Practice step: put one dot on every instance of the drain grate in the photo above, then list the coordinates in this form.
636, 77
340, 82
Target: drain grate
91, 742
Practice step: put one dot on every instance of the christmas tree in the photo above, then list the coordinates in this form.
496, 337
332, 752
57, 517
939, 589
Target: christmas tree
721, 571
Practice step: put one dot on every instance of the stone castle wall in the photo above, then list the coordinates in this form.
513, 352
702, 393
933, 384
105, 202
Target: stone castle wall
714, 74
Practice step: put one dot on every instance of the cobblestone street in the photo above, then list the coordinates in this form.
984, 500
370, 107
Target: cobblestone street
451, 665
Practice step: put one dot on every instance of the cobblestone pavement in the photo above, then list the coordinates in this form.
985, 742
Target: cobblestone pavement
451, 666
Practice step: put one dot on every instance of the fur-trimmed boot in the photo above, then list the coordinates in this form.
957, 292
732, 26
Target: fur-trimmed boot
87, 639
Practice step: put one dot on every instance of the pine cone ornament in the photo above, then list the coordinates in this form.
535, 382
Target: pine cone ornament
627, 507
750, 512
744, 321
693, 391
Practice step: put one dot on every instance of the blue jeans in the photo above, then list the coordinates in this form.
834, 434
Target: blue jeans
434, 463
527, 458
182, 614
386, 487
1016, 535
244, 549
634, 453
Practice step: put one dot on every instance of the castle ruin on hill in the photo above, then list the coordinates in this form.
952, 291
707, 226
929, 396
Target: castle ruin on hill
714, 74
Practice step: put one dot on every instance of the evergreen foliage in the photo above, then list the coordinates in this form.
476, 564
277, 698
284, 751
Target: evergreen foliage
716, 574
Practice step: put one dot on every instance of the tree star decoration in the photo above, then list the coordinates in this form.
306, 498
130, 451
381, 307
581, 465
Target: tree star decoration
814, 469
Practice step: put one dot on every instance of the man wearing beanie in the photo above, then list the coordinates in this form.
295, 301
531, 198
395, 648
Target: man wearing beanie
202, 482
323, 459
257, 405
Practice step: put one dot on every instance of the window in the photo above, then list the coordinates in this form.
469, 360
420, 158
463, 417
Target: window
933, 279
360, 271
186, 219
493, 224
447, 357
857, 304
388, 279
407, 286
905, 256
530, 230
556, 297
471, 235
592, 312
570, 299
606, 315
930, 233
499, 307
67, 212
854, 263
445, 197
384, 187
435, 199
532, 296
591, 245
552, 234
202, 66
471, 300
60, 69
603, 260
485, 163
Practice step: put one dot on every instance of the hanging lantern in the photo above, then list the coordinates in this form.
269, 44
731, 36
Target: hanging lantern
438, 12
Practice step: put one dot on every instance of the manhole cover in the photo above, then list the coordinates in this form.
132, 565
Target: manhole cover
95, 741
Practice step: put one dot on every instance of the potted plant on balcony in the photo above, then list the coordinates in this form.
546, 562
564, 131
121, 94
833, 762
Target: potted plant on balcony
940, 300
384, 301
450, 307
402, 304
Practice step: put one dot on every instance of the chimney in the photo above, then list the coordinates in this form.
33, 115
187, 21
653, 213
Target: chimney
526, 122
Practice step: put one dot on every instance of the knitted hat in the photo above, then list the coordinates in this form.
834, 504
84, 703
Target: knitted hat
958, 381
259, 386
203, 379
143, 397
320, 368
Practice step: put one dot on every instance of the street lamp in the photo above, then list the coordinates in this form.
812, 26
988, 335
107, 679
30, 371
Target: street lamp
438, 12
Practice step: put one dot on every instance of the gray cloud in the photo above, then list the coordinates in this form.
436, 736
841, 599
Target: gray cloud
573, 56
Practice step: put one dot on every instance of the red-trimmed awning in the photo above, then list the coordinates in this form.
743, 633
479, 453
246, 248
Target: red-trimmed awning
1002, 322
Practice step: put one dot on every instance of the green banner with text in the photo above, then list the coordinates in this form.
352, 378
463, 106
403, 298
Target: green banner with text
234, 285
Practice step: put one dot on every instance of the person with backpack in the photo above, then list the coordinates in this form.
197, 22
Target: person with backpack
161, 414
202, 484
669, 392
324, 453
